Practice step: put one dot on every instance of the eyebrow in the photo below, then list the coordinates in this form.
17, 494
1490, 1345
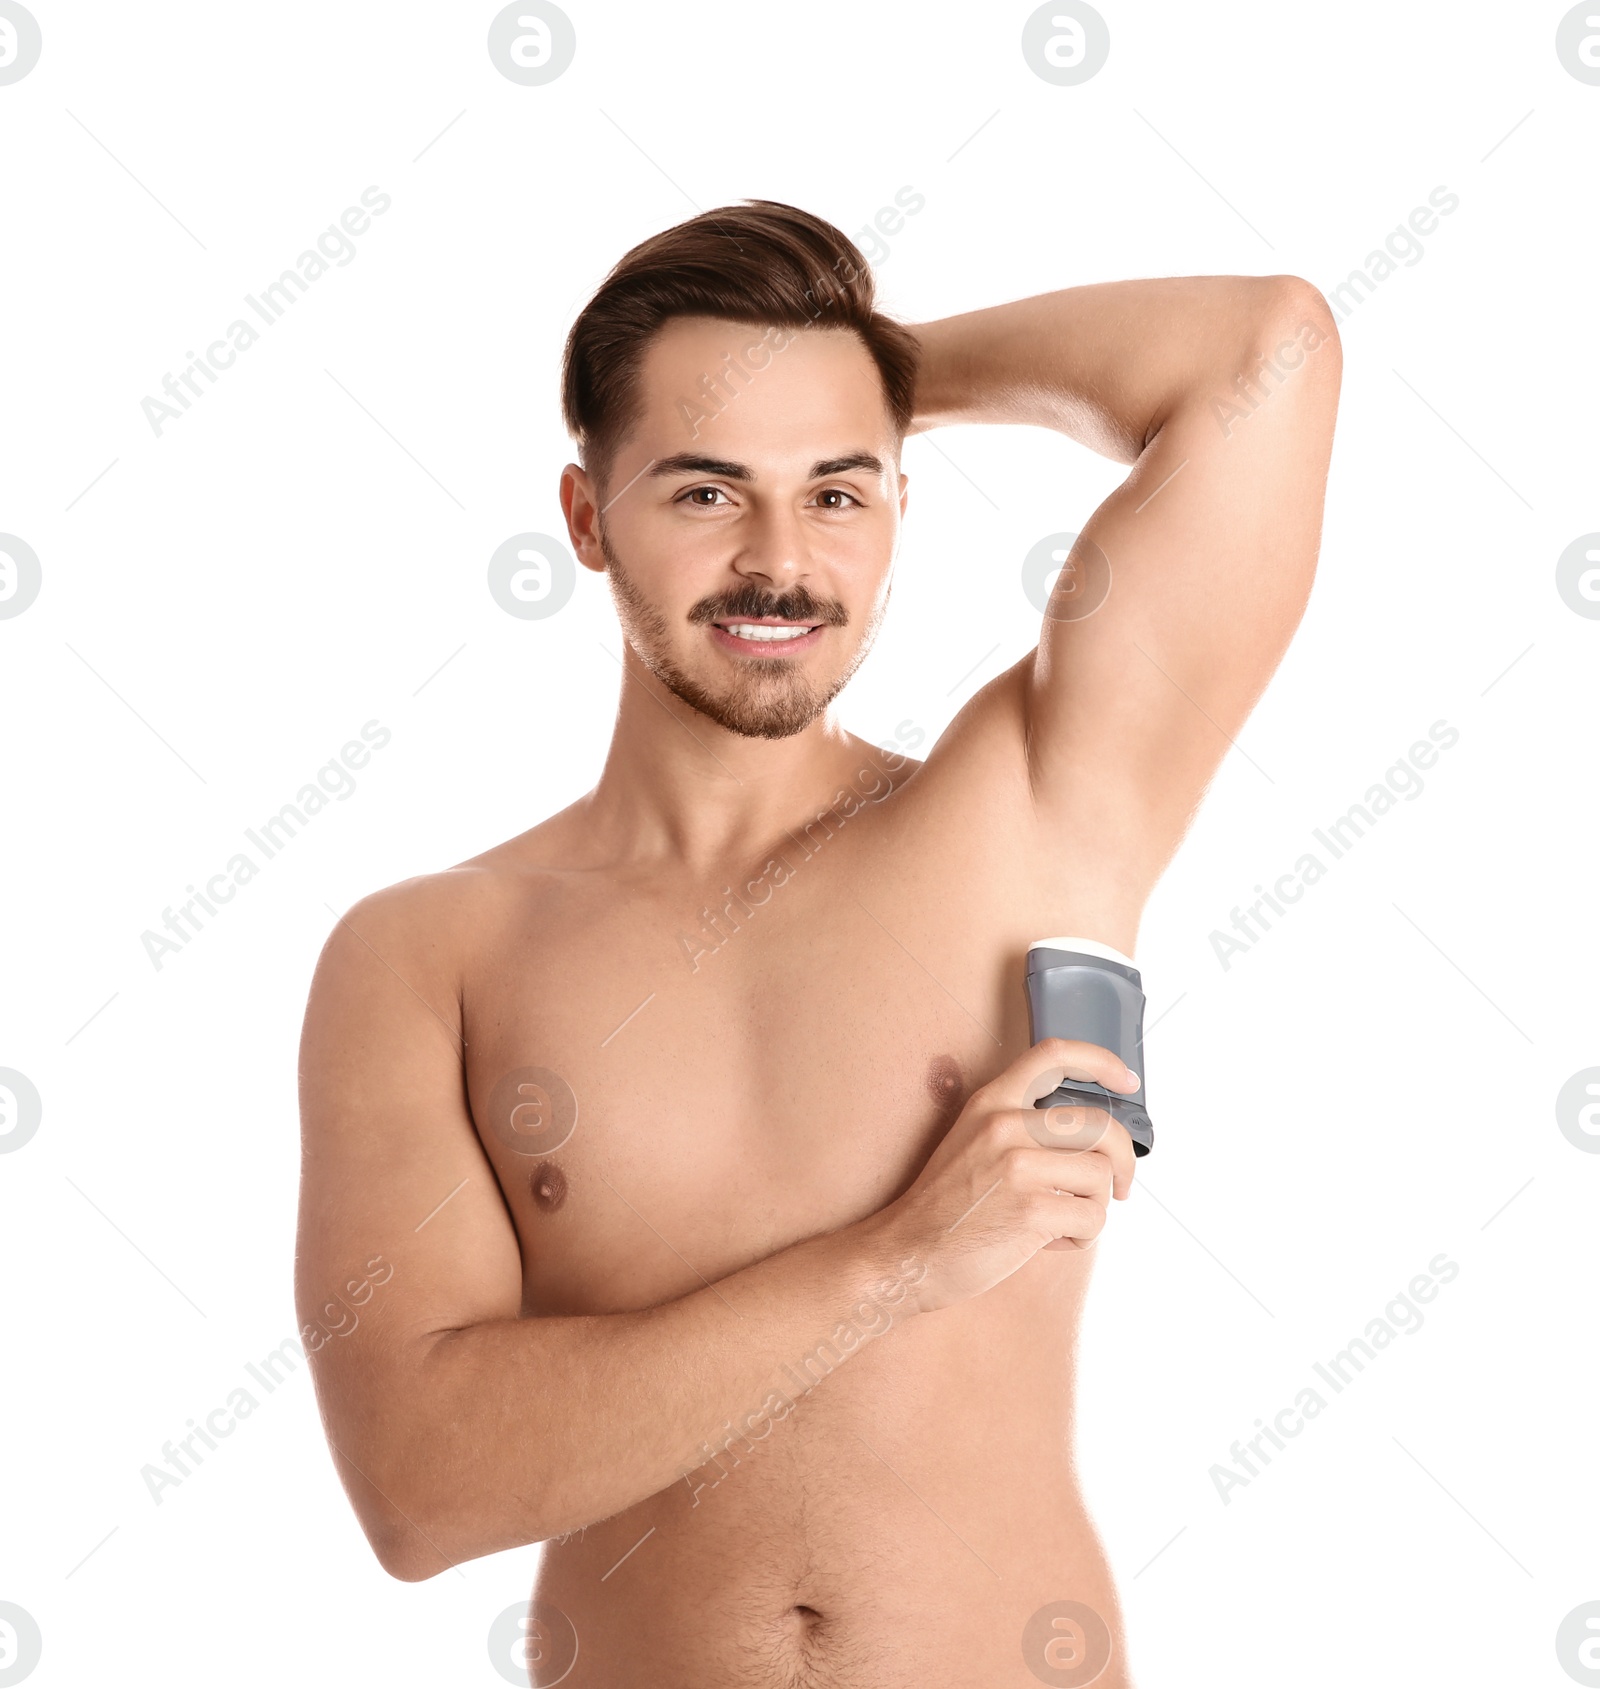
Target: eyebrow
692, 463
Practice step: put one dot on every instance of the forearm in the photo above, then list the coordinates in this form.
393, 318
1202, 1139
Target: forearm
513, 1431
1107, 364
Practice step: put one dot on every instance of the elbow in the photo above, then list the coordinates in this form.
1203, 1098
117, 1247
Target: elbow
1296, 327
399, 1562
406, 1549
405, 1527
410, 1568
413, 1553
418, 1536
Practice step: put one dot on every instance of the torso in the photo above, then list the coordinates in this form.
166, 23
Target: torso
735, 1095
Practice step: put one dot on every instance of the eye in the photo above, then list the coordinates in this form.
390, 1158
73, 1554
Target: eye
839, 492
689, 497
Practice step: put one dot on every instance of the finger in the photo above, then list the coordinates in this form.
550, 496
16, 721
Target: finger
1067, 1126
1078, 1221
1082, 1127
1086, 1174
1124, 1159
1042, 1067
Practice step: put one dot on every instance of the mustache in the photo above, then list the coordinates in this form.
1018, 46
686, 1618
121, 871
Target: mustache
799, 604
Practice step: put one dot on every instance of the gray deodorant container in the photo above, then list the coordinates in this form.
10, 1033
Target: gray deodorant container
1080, 988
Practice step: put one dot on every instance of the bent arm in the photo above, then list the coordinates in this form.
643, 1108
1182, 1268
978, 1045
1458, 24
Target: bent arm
1107, 364
458, 1427
1182, 590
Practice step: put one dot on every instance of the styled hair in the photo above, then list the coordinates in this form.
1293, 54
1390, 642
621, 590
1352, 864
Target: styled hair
761, 262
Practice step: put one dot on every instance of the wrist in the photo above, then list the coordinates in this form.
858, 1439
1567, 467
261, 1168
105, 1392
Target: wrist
882, 1264
938, 400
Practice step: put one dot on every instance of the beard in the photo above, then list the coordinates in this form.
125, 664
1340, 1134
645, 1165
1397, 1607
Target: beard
767, 697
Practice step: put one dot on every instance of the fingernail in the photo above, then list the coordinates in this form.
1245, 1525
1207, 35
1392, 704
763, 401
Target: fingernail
1137, 1081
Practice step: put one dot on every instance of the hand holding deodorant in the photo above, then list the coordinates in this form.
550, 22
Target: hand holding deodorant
1080, 988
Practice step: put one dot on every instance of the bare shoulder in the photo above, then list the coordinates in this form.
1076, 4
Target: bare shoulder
417, 936
423, 918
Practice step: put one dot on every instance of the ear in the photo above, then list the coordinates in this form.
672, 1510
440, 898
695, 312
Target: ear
581, 507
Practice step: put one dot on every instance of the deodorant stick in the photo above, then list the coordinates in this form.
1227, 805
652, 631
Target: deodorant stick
1080, 988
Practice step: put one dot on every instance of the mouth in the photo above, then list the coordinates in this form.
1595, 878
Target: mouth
766, 636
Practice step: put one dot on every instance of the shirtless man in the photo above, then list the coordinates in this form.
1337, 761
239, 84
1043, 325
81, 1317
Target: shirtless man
726, 1256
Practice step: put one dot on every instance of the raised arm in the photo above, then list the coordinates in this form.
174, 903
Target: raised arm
459, 1426
1186, 585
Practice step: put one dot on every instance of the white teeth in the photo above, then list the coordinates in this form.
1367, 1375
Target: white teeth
757, 630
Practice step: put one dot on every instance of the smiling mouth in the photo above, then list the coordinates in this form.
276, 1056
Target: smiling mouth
765, 631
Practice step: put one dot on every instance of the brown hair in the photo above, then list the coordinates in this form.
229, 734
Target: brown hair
761, 262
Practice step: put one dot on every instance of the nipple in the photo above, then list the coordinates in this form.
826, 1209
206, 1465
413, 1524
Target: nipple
945, 1083
549, 1186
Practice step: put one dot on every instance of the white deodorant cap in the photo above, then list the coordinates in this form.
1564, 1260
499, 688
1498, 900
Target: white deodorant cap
1085, 946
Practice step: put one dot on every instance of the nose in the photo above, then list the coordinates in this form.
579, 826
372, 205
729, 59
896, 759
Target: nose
774, 550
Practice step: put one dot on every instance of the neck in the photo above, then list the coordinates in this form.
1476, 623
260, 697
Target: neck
677, 788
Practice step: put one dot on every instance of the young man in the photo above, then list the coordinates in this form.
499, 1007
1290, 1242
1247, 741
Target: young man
728, 1257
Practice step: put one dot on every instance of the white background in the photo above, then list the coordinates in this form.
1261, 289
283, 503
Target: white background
1372, 1084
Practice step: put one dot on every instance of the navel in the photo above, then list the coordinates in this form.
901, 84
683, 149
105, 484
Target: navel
548, 1185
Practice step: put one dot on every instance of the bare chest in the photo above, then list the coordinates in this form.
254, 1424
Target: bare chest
671, 1085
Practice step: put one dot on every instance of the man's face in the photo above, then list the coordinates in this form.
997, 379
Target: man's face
750, 521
